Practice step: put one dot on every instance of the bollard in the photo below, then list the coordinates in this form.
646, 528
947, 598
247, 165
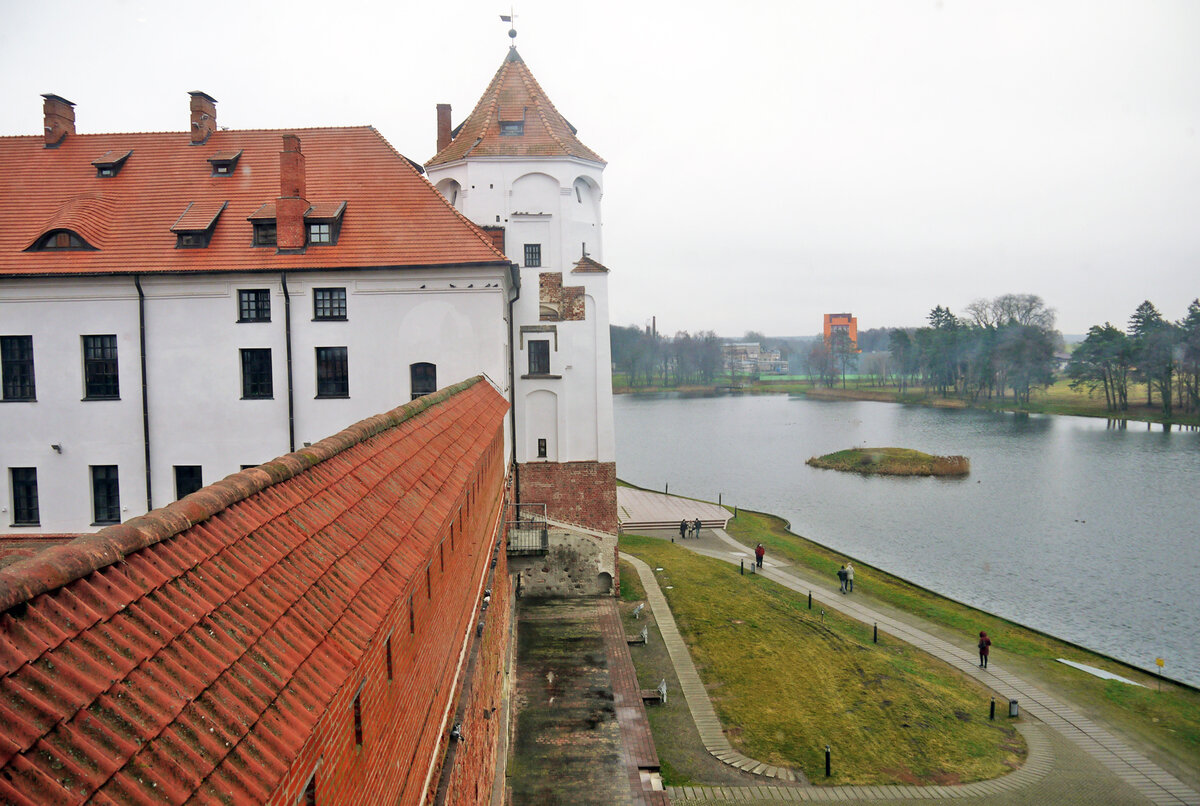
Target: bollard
827, 761
1013, 710
666, 488
742, 567
735, 510
992, 713
875, 637
810, 600
719, 498
822, 616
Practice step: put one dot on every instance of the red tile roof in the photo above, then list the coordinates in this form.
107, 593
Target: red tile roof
587, 264
192, 650
514, 95
393, 215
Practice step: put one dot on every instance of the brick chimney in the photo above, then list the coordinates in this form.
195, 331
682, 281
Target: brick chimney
443, 126
59, 119
291, 205
204, 117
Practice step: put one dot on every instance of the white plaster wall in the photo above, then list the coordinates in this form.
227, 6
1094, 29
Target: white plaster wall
197, 416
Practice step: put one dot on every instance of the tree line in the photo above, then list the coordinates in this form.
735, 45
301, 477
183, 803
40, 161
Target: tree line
648, 358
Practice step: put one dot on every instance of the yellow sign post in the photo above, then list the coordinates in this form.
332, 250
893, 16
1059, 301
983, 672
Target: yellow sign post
1160, 663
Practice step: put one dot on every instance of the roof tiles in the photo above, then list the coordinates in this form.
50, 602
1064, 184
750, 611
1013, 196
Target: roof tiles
193, 650
393, 216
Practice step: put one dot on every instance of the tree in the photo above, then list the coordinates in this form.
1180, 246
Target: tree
842, 348
822, 363
1027, 353
1154, 341
1189, 365
1103, 360
905, 357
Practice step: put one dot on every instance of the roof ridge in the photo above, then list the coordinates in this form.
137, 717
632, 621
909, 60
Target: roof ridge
60, 565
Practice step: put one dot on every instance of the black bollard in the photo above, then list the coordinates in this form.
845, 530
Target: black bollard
826, 761
735, 510
810, 600
719, 498
742, 567
666, 488
875, 637
992, 713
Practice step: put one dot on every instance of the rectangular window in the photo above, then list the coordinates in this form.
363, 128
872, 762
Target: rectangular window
329, 304
100, 368
106, 495
541, 448
254, 305
533, 255
333, 374
16, 365
539, 357
264, 234
320, 233
187, 480
256, 374
25, 496
422, 379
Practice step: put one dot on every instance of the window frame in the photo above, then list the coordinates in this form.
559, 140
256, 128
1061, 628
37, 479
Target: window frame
17, 369
533, 255
182, 477
254, 305
336, 370
328, 240
25, 510
326, 310
107, 510
429, 370
256, 376
540, 355
101, 374
266, 233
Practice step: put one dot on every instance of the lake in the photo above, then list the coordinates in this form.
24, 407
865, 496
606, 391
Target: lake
1073, 526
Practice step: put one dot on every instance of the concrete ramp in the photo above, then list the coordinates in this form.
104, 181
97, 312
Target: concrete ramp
642, 509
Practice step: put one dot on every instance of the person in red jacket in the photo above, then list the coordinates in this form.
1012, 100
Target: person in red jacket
985, 644
759, 551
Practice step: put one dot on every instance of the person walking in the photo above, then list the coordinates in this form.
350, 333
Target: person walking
849, 578
683, 529
985, 645
696, 524
842, 579
759, 551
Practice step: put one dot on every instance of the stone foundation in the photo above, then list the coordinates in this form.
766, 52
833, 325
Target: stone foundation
582, 493
578, 565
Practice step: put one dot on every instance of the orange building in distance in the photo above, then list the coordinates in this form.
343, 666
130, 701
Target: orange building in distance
843, 322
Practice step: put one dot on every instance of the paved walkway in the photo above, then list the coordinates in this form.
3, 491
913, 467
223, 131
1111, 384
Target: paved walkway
1132, 768
642, 509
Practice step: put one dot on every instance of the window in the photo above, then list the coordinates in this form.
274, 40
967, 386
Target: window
256, 374
191, 239
358, 733
264, 233
422, 378
106, 495
329, 304
539, 357
25, 496
320, 233
16, 358
187, 480
100, 368
333, 377
254, 305
541, 448
310, 792
387, 651
533, 255
512, 128
60, 240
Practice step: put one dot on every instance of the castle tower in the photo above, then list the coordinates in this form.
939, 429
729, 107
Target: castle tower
516, 168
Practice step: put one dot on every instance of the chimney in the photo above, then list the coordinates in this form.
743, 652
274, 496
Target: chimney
443, 126
291, 205
59, 119
204, 116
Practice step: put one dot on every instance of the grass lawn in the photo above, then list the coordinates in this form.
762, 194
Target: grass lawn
787, 681
1168, 722
892, 462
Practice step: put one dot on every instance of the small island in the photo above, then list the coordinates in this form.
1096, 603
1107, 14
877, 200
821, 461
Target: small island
892, 462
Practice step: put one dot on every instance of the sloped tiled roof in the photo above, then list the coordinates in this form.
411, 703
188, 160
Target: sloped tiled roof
394, 217
514, 95
587, 264
191, 651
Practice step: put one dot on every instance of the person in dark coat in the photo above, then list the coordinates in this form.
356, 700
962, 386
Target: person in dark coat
985, 645
696, 526
759, 551
842, 578
683, 529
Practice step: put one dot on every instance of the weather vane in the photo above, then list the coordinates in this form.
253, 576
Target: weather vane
509, 17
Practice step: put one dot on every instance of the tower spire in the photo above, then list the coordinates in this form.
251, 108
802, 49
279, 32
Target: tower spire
510, 18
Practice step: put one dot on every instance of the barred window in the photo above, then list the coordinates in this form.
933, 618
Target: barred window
25, 496
16, 358
254, 305
100, 368
539, 357
333, 375
256, 374
320, 233
533, 255
329, 303
106, 494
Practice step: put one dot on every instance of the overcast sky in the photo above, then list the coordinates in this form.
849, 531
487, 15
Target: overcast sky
768, 161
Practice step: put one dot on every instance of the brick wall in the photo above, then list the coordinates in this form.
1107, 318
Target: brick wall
424, 632
582, 493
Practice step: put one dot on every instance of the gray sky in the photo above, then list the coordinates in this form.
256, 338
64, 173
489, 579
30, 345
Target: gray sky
768, 161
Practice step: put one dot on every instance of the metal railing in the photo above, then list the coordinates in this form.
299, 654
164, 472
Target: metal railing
528, 533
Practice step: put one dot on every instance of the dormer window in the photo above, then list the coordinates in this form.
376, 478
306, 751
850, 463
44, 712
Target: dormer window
60, 240
110, 163
323, 223
224, 162
512, 128
194, 228
264, 233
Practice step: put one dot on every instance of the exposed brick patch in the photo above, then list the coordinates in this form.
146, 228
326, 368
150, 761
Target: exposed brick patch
559, 303
583, 493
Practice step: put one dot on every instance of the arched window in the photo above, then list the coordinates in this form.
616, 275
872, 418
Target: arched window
60, 240
423, 378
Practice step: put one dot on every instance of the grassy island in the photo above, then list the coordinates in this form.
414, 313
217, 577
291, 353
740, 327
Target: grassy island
892, 462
